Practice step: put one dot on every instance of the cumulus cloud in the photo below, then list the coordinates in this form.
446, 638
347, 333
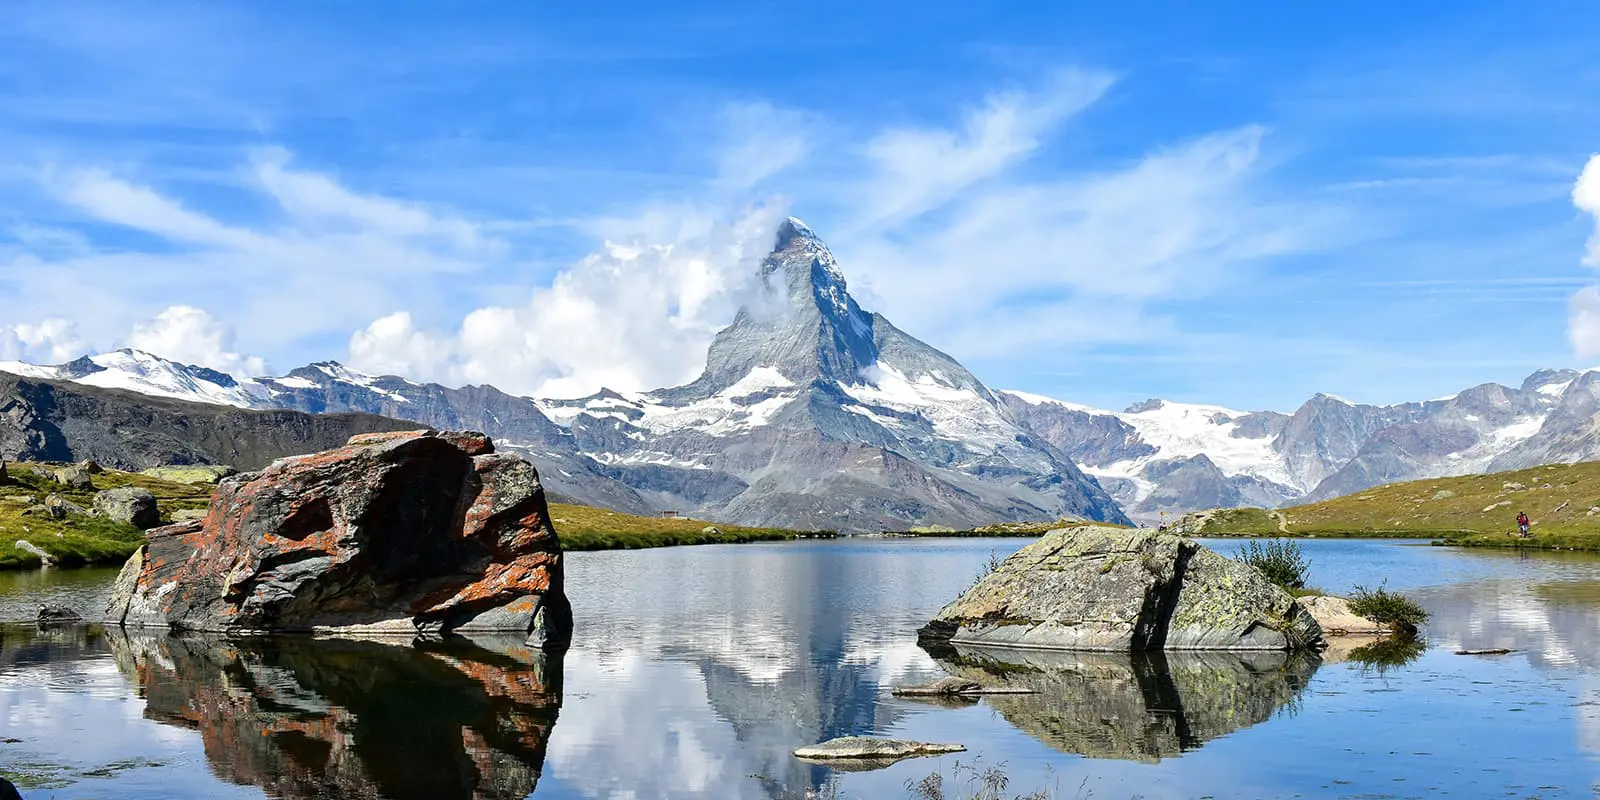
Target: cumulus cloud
1583, 321
635, 315
51, 341
189, 335
948, 225
312, 260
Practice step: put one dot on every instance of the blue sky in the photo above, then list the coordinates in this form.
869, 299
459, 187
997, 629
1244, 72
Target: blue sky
1243, 204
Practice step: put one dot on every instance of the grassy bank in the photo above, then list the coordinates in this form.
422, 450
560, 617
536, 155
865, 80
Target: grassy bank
1004, 529
1562, 500
585, 528
78, 539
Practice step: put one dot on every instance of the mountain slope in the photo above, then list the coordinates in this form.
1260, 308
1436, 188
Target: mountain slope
1150, 456
816, 412
44, 420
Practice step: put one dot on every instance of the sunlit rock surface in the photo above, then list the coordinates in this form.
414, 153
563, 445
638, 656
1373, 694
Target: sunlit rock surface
404, 532
1099, 588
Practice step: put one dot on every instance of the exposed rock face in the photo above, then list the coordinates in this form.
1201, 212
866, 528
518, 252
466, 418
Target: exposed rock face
1134, 706
307, 719
395, 532
1334, 616
44, 420
129, 505
1097, 588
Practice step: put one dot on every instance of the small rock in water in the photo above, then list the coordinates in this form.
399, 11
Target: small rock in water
57, 615
868, 748
1498, 651
939, 688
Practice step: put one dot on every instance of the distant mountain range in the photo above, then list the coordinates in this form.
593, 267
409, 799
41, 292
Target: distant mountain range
821, 414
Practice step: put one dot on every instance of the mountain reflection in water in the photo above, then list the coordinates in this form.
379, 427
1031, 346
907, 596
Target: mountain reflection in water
1134, 706
314, 718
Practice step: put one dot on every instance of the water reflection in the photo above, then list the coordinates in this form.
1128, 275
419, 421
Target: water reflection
309, 718
1135, 706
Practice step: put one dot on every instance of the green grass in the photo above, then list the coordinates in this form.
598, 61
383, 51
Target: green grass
1010, 529
78, 540
1476, 510
585, 528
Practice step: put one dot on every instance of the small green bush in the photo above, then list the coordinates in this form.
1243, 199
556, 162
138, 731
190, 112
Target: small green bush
1388, 608
1280, 560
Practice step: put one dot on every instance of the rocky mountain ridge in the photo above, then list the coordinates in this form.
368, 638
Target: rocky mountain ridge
1160, 456
813, 412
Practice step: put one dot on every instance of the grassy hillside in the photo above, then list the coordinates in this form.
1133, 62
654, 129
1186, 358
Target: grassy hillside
585, 528
1008, 529
1562, 500
78, 540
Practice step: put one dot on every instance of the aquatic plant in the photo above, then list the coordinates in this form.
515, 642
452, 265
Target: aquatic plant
1280, 560
1397, 611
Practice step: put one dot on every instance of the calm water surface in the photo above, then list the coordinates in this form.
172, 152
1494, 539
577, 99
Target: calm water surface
697, 670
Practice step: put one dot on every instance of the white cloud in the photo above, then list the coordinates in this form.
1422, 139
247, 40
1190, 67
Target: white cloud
760, 141
51, 341
635, 315
1586, 196
1583, 320
918, 169
189, 335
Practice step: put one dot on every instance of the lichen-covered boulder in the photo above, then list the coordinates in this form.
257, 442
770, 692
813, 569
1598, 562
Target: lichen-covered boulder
75, 477
1113, 589
129, 505
415, 531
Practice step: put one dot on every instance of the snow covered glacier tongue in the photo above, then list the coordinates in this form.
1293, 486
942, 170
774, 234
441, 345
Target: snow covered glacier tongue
823, 415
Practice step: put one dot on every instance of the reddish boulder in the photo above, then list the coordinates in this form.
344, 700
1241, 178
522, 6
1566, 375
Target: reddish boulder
414, 531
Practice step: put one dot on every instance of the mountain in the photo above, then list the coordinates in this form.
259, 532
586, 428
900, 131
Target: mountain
1159, 456
811, 413
818, 413
815, 413
45, 420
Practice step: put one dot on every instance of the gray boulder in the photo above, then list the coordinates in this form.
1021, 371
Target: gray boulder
864, 752
60, 507
1111, 589
75, 477
129, 505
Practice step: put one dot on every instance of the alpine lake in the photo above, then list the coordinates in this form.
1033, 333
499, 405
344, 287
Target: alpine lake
696, 671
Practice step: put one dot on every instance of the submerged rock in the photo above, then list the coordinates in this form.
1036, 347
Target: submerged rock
129, 505
57, 615
953, 686
407, 532
875, 752
1113, 589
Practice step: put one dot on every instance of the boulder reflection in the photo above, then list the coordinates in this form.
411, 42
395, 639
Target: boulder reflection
310, 718
1135, 706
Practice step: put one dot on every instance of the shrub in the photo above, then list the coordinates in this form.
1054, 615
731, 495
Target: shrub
1388, 608
1279, 559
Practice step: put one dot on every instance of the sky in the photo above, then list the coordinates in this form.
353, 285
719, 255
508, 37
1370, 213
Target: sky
1241, 204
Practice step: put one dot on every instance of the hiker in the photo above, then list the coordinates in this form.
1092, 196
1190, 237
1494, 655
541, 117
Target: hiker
1522, 524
